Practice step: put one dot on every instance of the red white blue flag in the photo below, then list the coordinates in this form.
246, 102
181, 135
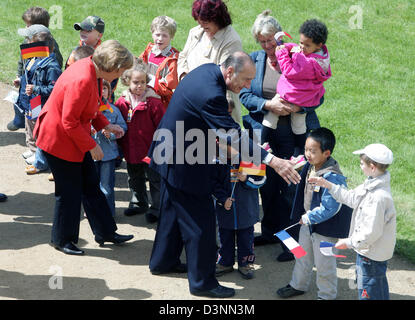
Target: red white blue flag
326, 248
291, 244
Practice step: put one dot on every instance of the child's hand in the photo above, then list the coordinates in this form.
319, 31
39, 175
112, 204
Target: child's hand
16, 82
29, 89
341, 244
242, 176
279, 48
228, 203
320, 181
106, 133
93, 131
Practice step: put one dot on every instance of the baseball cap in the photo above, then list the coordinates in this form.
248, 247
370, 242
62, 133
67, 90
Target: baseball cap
32, 30
90, 23
377, 152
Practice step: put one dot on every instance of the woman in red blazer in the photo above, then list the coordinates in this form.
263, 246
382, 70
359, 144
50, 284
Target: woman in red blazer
63, 132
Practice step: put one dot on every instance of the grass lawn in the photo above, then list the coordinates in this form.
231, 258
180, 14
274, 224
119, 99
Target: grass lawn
368, 99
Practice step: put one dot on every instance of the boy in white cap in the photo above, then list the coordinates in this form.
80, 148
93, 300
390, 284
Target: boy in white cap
373, 227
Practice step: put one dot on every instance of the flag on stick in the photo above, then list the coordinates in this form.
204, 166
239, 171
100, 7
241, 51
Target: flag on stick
35, 49
291, 244
326, 248
250, 168
35, 106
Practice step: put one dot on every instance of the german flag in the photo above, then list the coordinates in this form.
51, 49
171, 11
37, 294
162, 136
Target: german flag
251, 169
35, 49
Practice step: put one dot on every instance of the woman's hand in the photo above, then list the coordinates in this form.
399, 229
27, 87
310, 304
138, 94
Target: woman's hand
97, 153
278, 106
285, 168
115, 129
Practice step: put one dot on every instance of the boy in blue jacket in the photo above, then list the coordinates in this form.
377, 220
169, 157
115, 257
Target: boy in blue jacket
321, 217
237, 211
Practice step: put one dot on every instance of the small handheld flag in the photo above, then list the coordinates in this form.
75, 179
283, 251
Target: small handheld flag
250, 168
35, 49
146, 159
35, 107
326, 248
291, 244
278, 37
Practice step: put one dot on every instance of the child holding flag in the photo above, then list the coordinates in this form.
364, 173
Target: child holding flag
321, 217
373, 229
237, 211
108, 143
40, 74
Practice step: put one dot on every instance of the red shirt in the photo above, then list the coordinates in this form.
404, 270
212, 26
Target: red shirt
63, 128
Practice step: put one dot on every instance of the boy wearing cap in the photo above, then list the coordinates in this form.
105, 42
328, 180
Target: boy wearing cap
91, 32
373, 228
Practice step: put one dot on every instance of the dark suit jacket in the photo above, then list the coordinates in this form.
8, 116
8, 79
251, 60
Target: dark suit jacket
199, 102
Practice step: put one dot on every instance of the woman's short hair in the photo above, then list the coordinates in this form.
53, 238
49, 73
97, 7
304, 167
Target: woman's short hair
110, 56
265, 25
164, 23
212, 11
139, 66
36, 15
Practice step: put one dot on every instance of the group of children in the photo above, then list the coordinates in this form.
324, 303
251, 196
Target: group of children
322, 204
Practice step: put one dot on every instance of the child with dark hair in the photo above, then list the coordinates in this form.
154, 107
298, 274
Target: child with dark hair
321, 217
304, 70
33, 15
373, 229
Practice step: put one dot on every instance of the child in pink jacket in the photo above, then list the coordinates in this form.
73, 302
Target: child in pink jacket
304, 69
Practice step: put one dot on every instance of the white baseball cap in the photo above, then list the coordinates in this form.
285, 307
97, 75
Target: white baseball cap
377, 152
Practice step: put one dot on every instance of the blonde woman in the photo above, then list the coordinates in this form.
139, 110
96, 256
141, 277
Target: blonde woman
63, 132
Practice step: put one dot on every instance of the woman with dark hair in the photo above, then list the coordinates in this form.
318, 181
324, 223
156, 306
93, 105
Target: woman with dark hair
260, 99
63, 132
212, 41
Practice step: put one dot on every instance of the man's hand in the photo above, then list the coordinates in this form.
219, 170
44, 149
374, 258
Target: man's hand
285, 168
115, 129
97, 153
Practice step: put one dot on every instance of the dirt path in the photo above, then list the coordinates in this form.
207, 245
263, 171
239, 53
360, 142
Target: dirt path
31, 269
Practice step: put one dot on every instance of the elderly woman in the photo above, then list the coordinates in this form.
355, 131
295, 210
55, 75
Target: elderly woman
259, 99
212, 41
64, 134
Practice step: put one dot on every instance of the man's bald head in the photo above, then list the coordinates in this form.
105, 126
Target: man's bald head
238, 71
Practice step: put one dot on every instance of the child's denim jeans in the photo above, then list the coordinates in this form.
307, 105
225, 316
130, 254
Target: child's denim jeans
371, 279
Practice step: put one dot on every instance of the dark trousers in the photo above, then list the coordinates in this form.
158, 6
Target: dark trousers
137, 175
245, 244
186, 220
276, 195
76, 183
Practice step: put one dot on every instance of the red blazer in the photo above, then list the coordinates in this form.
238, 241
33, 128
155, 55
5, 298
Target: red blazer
63, 128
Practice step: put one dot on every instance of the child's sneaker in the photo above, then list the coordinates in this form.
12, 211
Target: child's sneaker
300, 161
266, 147
221, 269
247, 272
27, 154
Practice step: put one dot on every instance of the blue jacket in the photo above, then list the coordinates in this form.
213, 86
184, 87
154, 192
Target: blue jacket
327, 216
110, 146
43, 75
244, 212
253, 101
197, 107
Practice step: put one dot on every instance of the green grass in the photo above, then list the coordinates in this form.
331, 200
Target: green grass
369, 98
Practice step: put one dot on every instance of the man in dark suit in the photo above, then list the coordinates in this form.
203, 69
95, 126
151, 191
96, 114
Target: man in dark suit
187, 216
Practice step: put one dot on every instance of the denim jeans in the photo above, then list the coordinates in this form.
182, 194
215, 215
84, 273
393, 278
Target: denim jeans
106, 174
40, 160
19, 118
371, 279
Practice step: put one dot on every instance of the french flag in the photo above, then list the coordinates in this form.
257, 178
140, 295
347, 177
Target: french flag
291, 244
326, 248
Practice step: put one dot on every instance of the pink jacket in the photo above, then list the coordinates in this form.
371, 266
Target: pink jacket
302, 78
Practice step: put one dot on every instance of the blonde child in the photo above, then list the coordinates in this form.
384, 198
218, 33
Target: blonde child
142, 109
161, 58
373, 228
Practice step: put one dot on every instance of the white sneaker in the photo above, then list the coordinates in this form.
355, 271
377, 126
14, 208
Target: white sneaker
27, 154
31, 159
